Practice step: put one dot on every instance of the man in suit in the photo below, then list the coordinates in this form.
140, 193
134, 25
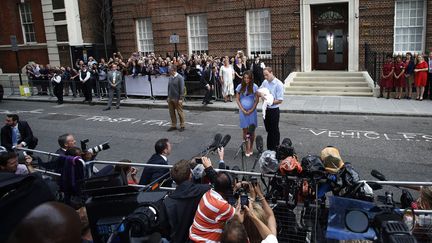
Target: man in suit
208, 80
257, 67
150, 174
114, 83
17, 133
65, 141
175, 98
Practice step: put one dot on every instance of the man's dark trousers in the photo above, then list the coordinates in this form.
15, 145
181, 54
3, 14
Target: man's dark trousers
111, 91
208, 94
58, 92
87, 90
428, 88
271, 123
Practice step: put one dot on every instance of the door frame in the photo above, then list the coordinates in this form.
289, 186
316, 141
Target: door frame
344, 65
307, 32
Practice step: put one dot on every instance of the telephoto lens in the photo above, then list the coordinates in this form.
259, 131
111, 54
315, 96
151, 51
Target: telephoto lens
98, 148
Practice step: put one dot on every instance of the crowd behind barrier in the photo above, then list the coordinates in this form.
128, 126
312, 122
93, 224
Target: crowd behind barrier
143, 71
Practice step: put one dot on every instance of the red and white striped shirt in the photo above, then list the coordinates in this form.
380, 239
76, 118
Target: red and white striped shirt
212, 213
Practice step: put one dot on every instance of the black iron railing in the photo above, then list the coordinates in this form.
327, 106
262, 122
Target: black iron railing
373, 63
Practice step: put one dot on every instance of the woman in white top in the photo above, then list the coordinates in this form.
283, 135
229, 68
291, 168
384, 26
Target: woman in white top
226, 75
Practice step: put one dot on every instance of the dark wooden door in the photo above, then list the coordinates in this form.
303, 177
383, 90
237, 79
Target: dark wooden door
330, 32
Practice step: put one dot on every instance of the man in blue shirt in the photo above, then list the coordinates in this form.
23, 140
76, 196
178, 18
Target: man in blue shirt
271, 120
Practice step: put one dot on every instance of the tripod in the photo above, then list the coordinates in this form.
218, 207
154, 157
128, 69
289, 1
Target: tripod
242, 150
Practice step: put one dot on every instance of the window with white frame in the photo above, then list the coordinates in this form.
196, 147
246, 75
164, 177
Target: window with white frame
197, 33
409, 28
144, 35
258, 32
27, 23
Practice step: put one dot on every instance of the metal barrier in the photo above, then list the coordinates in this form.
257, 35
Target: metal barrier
246, 173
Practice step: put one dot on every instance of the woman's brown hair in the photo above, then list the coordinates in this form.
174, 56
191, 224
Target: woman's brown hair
251, 83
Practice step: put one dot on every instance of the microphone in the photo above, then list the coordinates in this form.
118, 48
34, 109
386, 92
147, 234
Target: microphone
259, 144
225, 141
216, 141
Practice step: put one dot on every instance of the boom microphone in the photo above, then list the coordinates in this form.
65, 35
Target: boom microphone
225, 141
216, 141
259, 144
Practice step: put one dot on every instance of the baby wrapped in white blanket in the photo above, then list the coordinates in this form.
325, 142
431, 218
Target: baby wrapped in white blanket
268, 99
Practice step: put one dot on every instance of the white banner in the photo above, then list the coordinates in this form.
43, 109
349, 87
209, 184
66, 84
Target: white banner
141, 86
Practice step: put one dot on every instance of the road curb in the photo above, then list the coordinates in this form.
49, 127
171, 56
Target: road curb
218, 108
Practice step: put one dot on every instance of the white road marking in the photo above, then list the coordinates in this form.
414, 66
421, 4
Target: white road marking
371, 135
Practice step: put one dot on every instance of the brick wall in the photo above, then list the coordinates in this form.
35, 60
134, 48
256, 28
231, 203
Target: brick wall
428, 47
10, 24
226, 24
376, 26
91, 25
8, 60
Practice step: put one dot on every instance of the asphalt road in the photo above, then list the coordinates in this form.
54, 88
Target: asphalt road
400, 147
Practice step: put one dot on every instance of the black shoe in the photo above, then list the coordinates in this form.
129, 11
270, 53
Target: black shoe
209, 103
117, 107
171, 129
107, 109
181, 129
84, 101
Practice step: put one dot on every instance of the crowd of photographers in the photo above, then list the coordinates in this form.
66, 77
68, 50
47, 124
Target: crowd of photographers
205, 206
88, 78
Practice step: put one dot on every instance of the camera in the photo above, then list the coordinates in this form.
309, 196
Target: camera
95, 149
285, 149
242, 193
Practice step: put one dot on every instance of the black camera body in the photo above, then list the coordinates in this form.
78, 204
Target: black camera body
285, 149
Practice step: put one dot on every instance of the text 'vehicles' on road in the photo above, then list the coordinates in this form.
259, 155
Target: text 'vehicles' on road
371, 135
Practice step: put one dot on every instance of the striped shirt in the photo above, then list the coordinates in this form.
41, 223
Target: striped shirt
212, 213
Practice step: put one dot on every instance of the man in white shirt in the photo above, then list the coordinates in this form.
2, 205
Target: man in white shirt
84, 76
271, 120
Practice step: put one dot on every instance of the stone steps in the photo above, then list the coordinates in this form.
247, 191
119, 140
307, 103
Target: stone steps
327, 93
329, 83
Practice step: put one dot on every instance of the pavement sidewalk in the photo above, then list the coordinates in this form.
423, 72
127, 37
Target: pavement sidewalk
292, 104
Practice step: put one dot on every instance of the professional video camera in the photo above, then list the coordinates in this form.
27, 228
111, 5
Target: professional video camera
138, 217
357, 219
95, 149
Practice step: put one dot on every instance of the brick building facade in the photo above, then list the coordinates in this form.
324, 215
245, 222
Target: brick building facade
293, 23
34, 47
53, 32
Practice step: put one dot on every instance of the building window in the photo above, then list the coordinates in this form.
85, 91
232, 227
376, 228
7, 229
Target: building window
61, 33
258, 32
197, 33
59, 16
410, 17
144, 35
58, 4
27, 22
